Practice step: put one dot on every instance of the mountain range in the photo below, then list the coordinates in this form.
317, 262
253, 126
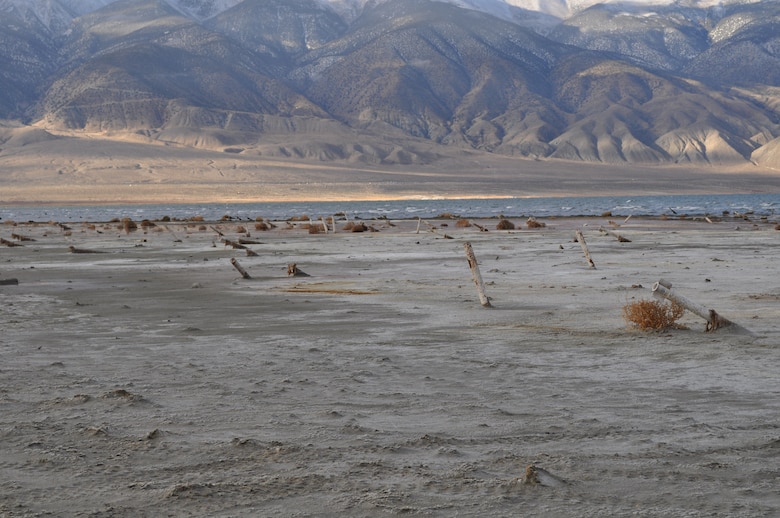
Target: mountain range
404, 81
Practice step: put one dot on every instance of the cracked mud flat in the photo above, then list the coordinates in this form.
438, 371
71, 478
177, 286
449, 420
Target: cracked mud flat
152, 380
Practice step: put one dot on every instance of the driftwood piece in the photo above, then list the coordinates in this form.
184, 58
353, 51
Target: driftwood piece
216, 230
534, 475
244, 241
250, 253
9, 282
240, 269
75, 250
20, 237
233, 244
584, 245
663, 289
294, 271
9, 243
615, 235
483, 298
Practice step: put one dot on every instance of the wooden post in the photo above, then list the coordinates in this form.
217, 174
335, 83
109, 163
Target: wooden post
419, 220
240, 269
483, 299
714, 320
584, 246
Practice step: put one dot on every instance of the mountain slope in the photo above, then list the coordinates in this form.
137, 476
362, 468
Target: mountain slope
382, 81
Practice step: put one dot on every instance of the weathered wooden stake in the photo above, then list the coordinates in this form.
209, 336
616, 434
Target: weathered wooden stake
483, 299
584, 246
418, 224
663, 289
240, 269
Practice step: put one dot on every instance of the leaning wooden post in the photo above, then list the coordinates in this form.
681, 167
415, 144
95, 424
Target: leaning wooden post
240, 269
663, 289
483, 299
418, 224
584, 246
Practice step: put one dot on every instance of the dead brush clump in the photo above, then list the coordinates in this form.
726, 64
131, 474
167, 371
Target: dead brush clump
533, 223
355, 227
462, 223
649, 315
241, 229
197, 218
128, 225
262, 226
505, 224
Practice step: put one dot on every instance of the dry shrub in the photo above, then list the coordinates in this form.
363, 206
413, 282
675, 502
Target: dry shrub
241, 229
777, 227
348, 226
315, 228
532, 223
505, 224
653, 314
359, 227
462, 223
607, 214
447, 215
259, 218
262, 226
147, 224
128, 225
202, 228
197, 218
302, 217
226, 217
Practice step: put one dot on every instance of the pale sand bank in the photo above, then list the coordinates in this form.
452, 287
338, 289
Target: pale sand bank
151, 380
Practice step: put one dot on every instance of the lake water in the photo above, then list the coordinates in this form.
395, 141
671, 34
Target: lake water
696, 205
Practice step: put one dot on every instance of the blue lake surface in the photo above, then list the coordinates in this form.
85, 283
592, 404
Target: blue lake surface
690, 205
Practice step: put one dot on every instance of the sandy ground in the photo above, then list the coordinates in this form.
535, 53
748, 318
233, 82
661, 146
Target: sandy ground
152, 380
36, 167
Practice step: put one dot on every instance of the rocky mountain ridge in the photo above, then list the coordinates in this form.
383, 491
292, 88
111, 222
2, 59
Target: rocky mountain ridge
400, 81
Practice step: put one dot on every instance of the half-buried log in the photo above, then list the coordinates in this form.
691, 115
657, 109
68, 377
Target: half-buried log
714, 320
